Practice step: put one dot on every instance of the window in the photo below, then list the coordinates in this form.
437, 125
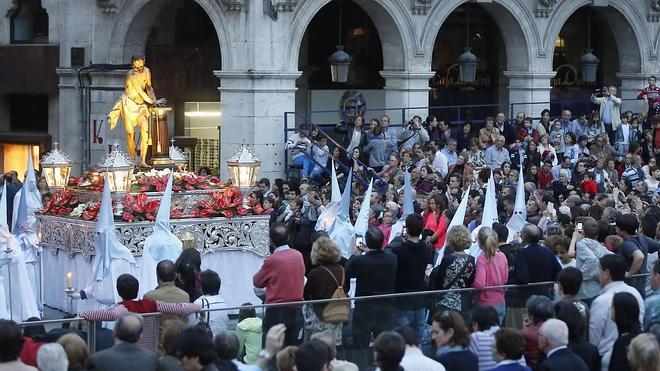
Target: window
29, 22
28, 112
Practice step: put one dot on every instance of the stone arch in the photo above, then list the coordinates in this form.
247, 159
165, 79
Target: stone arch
398, 42
515, 21
133, 20
633, 56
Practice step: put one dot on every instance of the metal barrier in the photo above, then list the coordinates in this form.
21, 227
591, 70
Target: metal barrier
509, 291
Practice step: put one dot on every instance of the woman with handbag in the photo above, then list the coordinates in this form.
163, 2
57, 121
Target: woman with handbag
456, 271
323, 282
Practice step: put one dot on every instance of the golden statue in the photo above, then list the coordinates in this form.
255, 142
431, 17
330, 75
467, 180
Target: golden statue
135, 106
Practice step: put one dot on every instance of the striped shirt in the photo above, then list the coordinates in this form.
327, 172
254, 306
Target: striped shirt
150, 329
481, 344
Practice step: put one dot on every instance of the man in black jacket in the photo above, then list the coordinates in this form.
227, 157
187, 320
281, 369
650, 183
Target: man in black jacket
375, 271
553, 341
412, 258
535, 263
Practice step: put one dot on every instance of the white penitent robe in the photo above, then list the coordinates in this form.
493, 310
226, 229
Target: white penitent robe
18, 299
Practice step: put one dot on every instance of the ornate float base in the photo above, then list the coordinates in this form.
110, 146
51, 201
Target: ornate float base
76, 236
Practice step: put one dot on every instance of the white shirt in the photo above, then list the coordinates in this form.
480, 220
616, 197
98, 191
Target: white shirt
414, 359
625, 129
217, 320
602, 330
440, 164
355, 139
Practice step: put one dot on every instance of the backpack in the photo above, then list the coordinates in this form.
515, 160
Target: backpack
337, 311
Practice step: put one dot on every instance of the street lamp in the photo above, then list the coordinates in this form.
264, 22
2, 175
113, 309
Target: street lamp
589, 62
118, 168
340, 61
467, 62
244, 167
56, 167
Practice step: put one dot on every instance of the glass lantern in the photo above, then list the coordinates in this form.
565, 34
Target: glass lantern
56, 167
244, 167
340, 61
589, 66
467, 64
118, 169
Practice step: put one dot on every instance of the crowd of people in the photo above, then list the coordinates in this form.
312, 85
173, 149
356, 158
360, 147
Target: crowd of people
584, 265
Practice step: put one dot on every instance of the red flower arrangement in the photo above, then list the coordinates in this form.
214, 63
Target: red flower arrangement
138, 208
64, 203
185, 181
92, 211
61, 204
257, 209
227, 202
91, 182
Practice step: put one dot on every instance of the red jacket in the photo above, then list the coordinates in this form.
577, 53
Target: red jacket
590, 187
30, 350
282, 274
545, 178
524, 133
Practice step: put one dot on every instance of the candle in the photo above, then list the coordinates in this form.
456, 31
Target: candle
69, 280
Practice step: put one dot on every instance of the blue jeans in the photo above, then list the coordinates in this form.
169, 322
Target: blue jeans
501, 311
415, 319
307, 165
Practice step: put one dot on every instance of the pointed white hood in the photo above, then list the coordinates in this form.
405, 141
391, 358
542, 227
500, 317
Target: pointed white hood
341, 230
362, 220
519, 217
489, 215
457, 219
108, 246
408, 207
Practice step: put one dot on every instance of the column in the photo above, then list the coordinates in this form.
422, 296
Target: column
253, 106
631, 85
406, 94
83, 131
529, 92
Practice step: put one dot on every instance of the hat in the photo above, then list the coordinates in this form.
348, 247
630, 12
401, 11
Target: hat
565, 210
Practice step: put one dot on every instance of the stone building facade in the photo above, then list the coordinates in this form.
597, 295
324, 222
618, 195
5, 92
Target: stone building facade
260, 47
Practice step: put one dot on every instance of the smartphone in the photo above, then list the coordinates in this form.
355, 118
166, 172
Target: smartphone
404, 232
551, 206
579, 227
359, 242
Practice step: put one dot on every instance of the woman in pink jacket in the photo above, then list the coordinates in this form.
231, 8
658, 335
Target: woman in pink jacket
492, 270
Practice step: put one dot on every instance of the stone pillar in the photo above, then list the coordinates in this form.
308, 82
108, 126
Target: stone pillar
408, 93
253, 106
526, 88
83, 131
631, 85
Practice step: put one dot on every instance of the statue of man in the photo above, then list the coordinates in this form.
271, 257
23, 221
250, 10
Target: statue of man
134, 107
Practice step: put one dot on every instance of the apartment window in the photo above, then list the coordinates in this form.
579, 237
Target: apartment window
29, 23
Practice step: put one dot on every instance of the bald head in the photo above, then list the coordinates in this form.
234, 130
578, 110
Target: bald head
128, 328
166, 271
